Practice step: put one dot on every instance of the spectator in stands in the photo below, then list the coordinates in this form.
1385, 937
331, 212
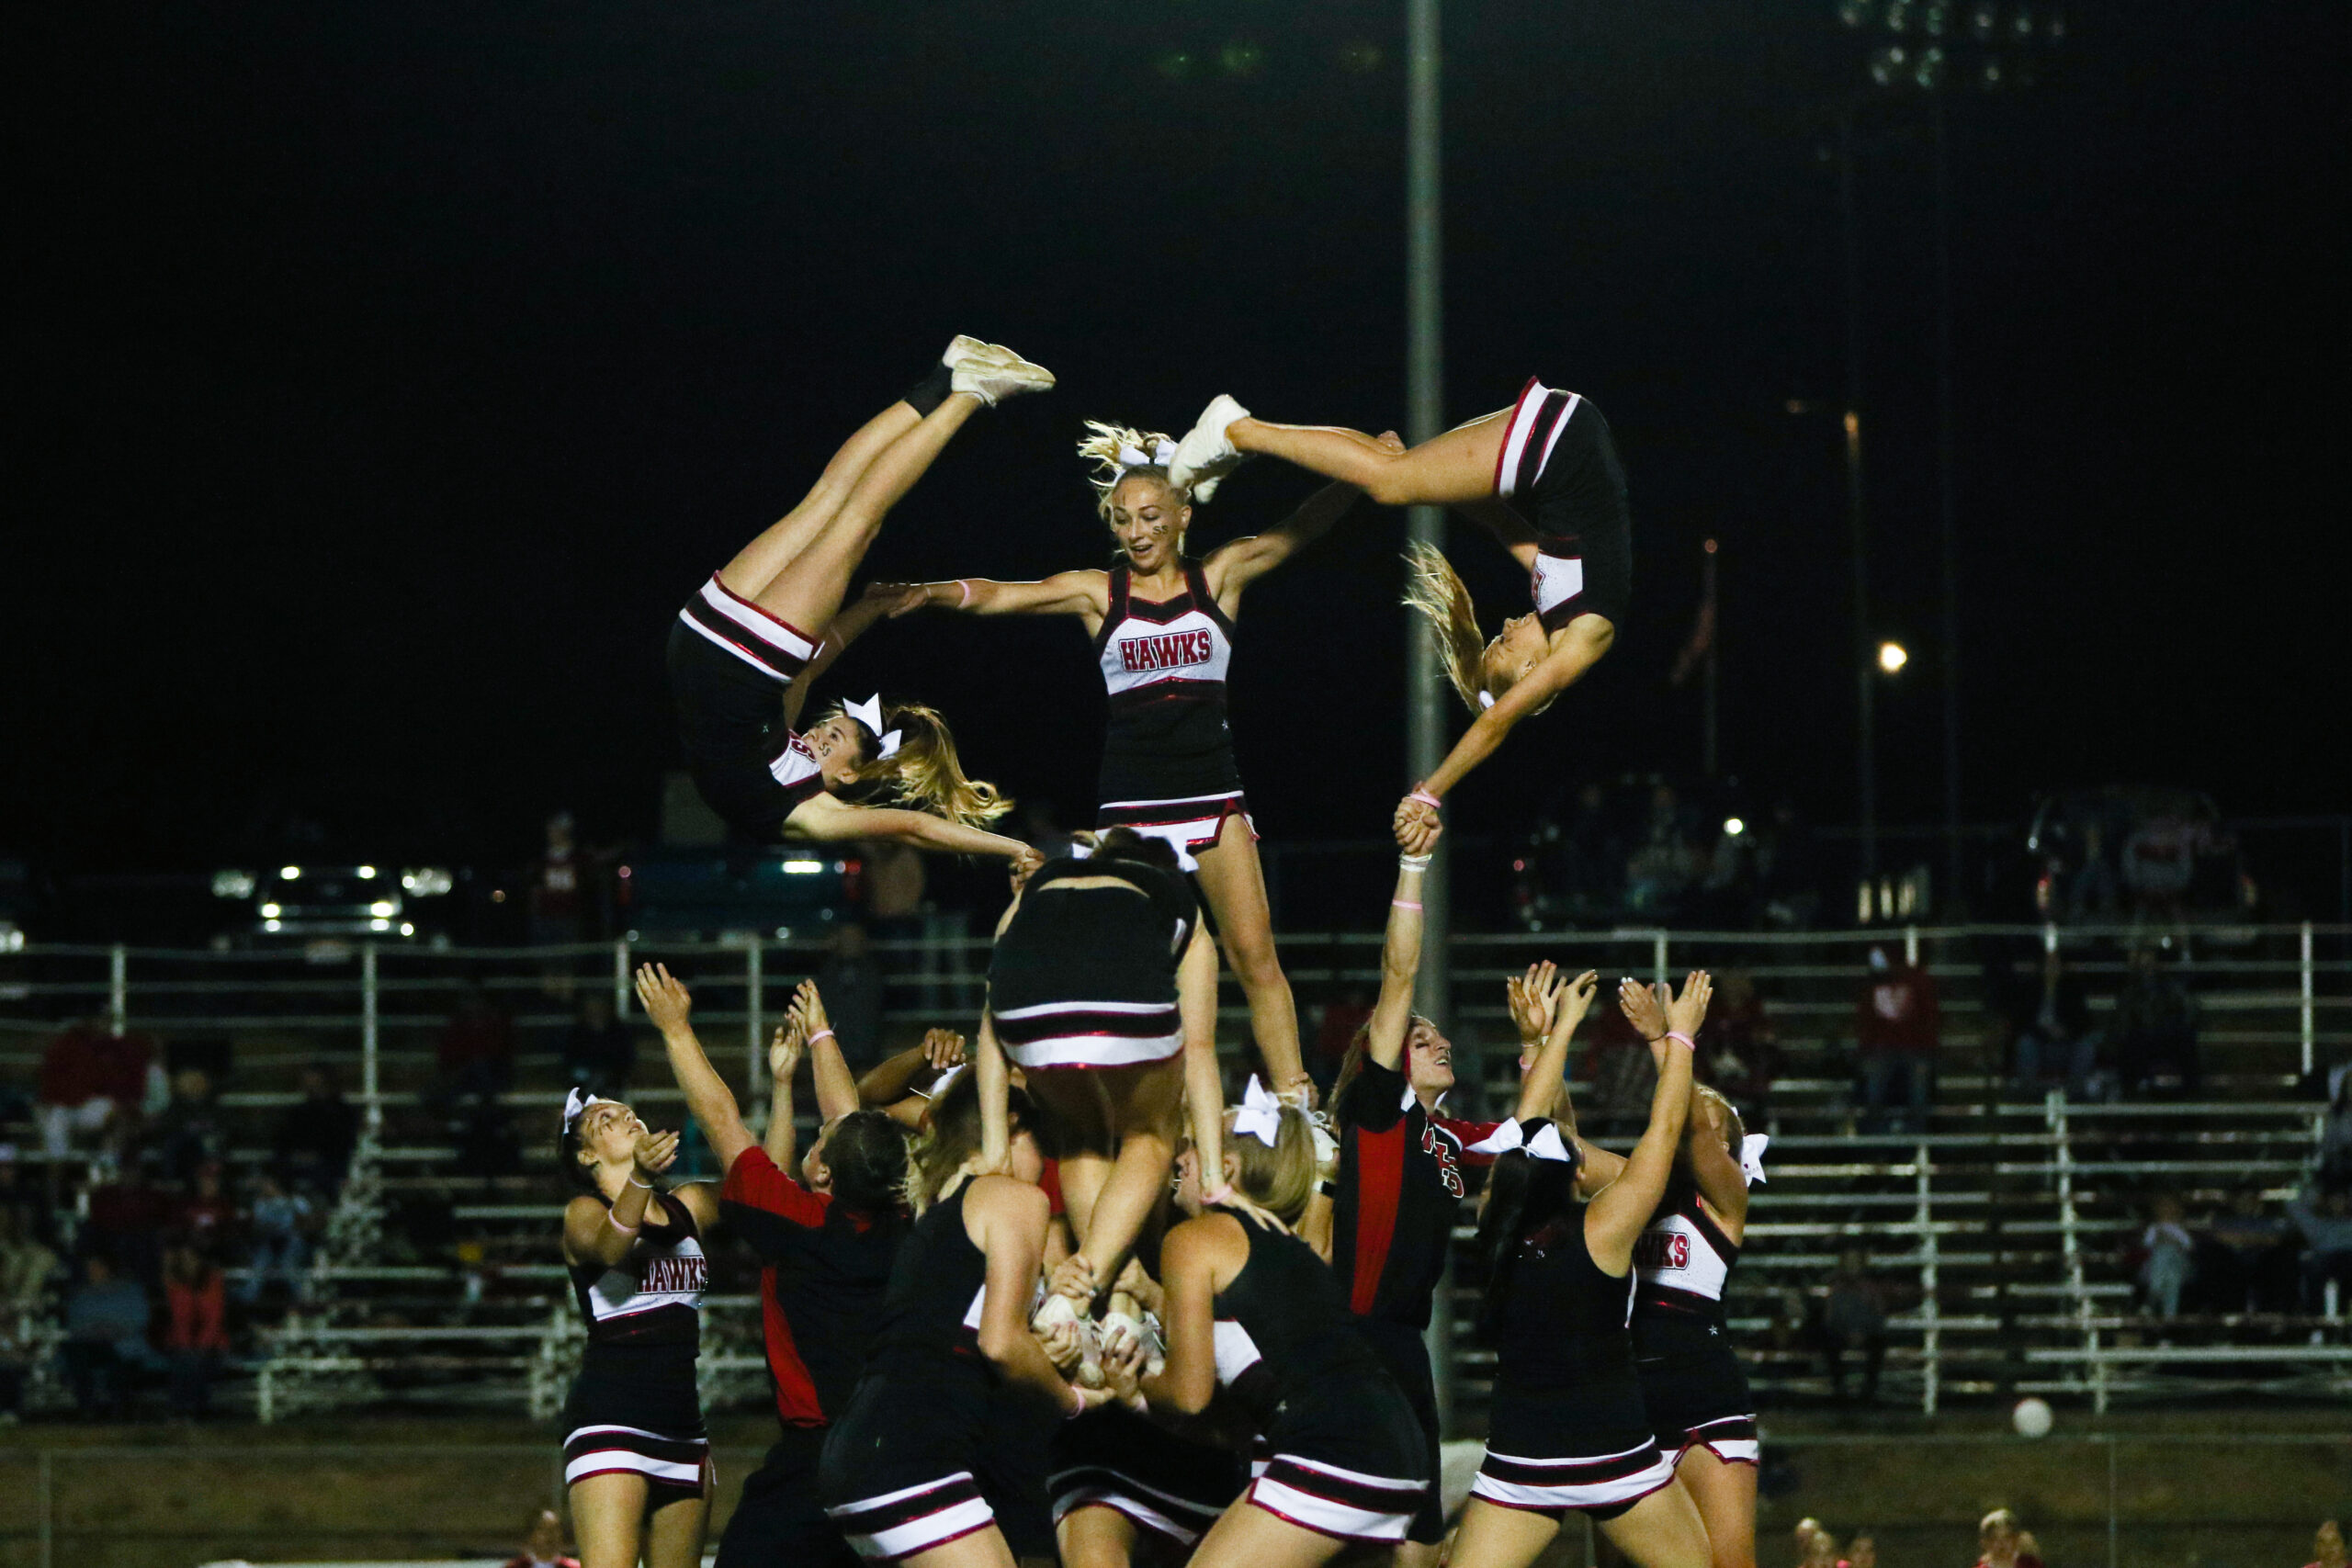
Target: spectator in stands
851, 979
559, 889
476, 1055
2246, 1263
1896, 1026
2327, 1546
2152, 1037
2323, 1217
2091, 891
105, 1338
1665, 861
315, 1136
1741, 1054
1788, 871
92, 1081
2002, 1543
1862, 1551
190, 1132
127, 1217
277, 1243
2335, 1132
599, 1051
1853, 1320
27, 1268
1821, 1550
2171, 1253
195, 1338
206, 1215
543, 1547
2056, 1040
1624, 1074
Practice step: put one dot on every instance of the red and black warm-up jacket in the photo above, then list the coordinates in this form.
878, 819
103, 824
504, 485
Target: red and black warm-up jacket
1401, 1178
824, 1267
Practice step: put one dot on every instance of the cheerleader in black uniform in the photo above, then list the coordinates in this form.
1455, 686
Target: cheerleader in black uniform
1255, 1309
637, 1462
1543, 477
746, 648
902, 1465
1102, 990
1162, 627
1692, 1386
1568, 1429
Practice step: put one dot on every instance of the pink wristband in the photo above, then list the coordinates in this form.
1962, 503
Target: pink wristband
1080, 1408
1426, 798
629, 1230
966, 590
1687, 1043
821, 1035
1404, 904
1220, 1194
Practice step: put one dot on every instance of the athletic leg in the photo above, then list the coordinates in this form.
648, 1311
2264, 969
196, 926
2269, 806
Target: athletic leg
608, 1514
1495, 1537
1236, 886
673, 1536
1148, 1117
1455, 467
985, 1548
1246, 1536
1662, 1531
1725, 1494
759, 562
1096, 1536
1416, 1554
809, 590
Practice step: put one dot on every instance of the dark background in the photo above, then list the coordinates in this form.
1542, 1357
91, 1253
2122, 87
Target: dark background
386, 377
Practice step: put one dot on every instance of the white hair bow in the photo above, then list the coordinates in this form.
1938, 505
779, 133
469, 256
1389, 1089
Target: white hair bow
1751, 1156
1261, 1116
869, 714
1547, 1143
1162, 453
576, 1103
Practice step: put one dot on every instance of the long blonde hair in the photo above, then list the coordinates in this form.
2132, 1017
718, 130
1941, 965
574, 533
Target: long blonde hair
1101, 447
925, 774
1278, 1177
1436, 591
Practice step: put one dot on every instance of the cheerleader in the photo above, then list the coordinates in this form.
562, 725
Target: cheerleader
1255, 1309
1692, 1385
1567, 1430
637, 1462
1162, 627
746, 648
1102, 990
901, 1465
1542, 474
826, 1244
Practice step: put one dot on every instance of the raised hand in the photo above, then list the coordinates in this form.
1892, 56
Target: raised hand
1688, 1011
656, 1152
784, 1051
1531, 997
1644, 1009
1417, 826
807, 1010
943, 1049
667, 1002
1574, 999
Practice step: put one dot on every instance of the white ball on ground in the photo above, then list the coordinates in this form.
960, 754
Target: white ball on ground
2031, 1418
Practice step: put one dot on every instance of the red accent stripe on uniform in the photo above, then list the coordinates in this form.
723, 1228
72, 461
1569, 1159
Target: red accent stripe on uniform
796, 1390
1380, 1186
760, 609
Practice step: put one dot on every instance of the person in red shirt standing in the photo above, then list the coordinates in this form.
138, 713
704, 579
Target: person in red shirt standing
90, 1078
196, 1338
1895, 1028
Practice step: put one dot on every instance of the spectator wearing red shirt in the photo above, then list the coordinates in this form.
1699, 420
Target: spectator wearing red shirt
2004, 1544
91, 1078
1897, 1023
196, 1338
476, 1052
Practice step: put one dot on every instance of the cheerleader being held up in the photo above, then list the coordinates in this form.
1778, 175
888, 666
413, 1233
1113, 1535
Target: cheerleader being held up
746, 648
1543, 477
1567, 1430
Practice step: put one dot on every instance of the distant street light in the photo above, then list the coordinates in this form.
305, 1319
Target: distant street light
1892, 657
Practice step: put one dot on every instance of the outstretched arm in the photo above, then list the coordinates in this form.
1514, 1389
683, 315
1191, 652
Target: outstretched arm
784, 1061
1085, 593
836, 1088
828, 819
708, 1100
1234, 565
1542, 1086
846, 628
1588, 637
1401, 965
889, 1086
1617, 1214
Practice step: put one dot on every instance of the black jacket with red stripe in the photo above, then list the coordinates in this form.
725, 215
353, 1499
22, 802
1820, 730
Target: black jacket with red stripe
824, 1269
1402, 1176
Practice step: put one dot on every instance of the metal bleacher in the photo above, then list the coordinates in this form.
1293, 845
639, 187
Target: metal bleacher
1996, 1230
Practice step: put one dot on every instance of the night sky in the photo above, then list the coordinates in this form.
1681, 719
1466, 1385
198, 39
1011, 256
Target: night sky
385, 375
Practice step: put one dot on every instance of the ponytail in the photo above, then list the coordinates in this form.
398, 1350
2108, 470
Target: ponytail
925, 773
1101, 447
1434, 589
1278, 1177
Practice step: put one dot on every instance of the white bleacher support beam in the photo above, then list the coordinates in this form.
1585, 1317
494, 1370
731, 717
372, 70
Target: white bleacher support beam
2309, 1037
1657, 959
1911, 945
119, 988
1931, 1325
620, 978
755, 1015
371, 1087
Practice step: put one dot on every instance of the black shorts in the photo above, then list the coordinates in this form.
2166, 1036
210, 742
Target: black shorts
1699, 1399
1407, 1356
779, 1518
638, 1410
1559, 468
730, 726
1113, 1458
1584, 1450
899, 1474
1013, 1466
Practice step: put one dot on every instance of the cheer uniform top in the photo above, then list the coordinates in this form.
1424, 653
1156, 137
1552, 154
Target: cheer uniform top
1692, 1385
824, 1267
634, 1407
729, 661
1402, 1177
1347, 1459
1567, 1430
1558, 468
1167, 768
1086, 977
898, 1471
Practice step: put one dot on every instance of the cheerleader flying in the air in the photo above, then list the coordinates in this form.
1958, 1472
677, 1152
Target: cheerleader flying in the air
746, 648
1544, 476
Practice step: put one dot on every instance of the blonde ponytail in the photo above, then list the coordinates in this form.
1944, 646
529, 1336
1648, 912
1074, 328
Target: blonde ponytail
925, 774
1278, 1177
1101, 447
1436, 591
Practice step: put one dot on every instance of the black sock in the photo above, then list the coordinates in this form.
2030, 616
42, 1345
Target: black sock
932, 391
